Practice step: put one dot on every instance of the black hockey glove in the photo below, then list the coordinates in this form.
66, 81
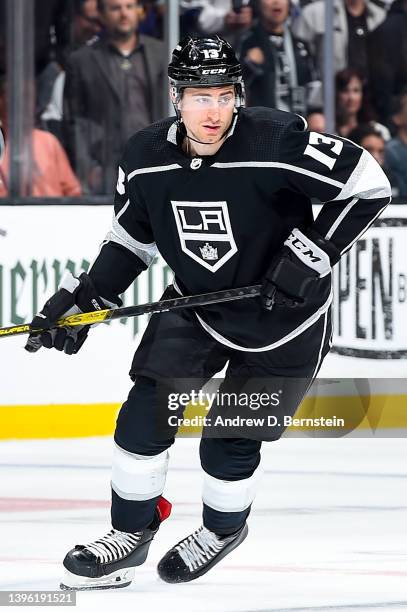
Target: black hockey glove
74, 295
292, 279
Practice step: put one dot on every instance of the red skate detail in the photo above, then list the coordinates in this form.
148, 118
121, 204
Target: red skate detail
163, 508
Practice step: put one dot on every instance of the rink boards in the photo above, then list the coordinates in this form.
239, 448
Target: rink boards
53, 395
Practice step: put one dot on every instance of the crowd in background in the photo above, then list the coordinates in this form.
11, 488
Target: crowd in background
100, 77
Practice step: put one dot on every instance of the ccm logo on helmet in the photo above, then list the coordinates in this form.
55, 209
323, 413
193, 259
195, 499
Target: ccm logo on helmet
214, 71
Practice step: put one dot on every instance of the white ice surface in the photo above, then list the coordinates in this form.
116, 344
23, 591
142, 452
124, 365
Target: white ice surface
327, 531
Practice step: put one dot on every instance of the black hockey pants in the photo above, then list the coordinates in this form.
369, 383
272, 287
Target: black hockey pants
174, 354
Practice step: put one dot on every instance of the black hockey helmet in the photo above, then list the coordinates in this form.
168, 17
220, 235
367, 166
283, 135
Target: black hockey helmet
205, 62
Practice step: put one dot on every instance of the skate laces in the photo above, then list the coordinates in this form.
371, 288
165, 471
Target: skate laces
114, 545
200, 547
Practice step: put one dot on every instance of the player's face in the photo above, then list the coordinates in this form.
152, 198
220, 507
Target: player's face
120, 17
207, 112
350, 98
375, 146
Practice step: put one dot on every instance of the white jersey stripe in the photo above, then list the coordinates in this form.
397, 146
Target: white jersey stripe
117, 234
339, 219
296, 332
365, 228
367, 181
310, 321
281, 166
321, 346
248, 164
153, 169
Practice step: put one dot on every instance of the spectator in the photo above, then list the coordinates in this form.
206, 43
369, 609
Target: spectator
238, 18
228, 18
277, 66
3, 41
114, 87
52, 32
396, 148
353, 19
85, 26
388, 59
50, 119
52, 174
151, 20
52, 22
189, 11
371, 139
353, 103
86, 23
316, 120
2, 142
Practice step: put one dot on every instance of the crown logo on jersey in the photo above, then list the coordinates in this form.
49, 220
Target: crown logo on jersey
209, 252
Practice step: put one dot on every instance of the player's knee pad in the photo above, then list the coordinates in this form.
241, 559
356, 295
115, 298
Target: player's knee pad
138, 477
230, 495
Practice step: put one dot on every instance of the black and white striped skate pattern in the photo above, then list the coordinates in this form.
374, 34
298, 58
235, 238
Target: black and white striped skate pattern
197, 554
105, 563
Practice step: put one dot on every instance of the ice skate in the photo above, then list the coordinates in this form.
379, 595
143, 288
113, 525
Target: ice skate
109, 562
197, 554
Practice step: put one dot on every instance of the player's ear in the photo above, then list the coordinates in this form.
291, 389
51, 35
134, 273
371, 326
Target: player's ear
175, 97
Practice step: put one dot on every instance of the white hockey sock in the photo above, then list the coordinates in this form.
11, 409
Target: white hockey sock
230, 496
138, 477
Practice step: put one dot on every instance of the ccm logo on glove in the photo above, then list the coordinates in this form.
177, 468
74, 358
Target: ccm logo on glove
308, 252
297, 269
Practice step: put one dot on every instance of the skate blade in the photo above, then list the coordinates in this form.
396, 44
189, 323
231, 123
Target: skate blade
115, 580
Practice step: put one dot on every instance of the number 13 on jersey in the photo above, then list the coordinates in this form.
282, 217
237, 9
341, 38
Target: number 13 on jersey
313, 151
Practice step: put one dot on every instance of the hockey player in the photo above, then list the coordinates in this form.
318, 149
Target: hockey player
224, 193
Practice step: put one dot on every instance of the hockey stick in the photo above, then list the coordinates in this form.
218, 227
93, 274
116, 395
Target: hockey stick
100, 316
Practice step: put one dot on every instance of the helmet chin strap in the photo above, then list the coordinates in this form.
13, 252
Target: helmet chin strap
182, 128
205, 143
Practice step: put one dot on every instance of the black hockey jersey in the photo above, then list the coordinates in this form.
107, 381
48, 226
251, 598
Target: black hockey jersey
218, 220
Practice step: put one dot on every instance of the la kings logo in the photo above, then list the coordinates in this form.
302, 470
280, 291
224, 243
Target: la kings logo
205, 232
